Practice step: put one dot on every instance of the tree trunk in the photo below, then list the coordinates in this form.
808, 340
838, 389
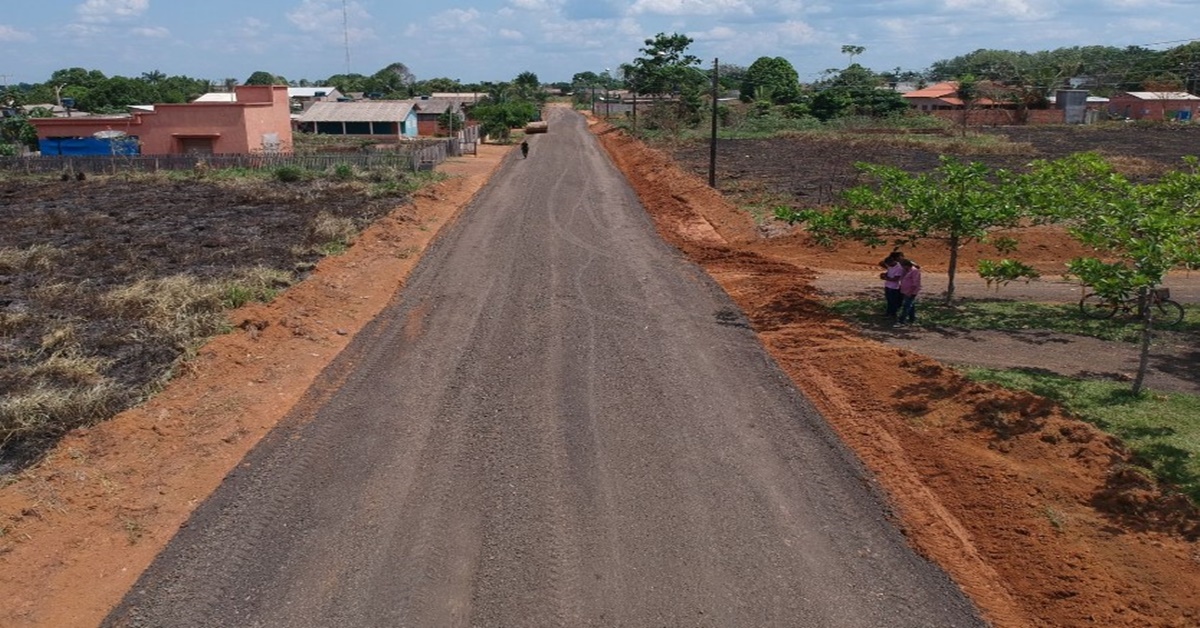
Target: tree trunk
1147, 332
952, 269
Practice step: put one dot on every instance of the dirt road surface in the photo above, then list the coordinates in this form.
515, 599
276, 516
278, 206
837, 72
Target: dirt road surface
559, 422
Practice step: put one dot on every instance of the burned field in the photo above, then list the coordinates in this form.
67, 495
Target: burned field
108, 284
812, 170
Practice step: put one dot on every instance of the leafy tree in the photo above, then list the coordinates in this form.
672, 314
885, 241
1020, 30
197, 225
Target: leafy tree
967, 92
1140, 231
153, 77
665, 66
265, 78
957, 204
497, 119
855, 91
77, 77
393, 81
347, 83
117, 93
16, 131
527, 87
774, 74
440, 84
853, 51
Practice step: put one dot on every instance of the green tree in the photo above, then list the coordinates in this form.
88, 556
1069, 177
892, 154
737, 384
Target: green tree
855, 90
116, 94
775, 74
154, 77
527, 87
265, 78
347, 83
440, 84
665, 66
15, 131
1140, 231
393, 81
955, 204
498, 119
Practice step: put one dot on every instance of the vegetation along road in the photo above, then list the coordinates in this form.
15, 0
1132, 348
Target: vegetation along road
560, 422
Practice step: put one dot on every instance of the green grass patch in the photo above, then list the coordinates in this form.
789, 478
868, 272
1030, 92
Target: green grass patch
1014, 316
1161, 429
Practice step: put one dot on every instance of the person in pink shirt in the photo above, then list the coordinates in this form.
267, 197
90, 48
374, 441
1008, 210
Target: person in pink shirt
910, 287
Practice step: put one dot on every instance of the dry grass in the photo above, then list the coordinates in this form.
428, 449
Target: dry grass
38, 257
1136, 167
180, 306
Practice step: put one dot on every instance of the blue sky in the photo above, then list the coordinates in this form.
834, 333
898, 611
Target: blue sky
480, 40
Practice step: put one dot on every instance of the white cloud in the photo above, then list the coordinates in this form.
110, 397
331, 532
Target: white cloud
8, 33
252, 27
153, 32
536, 5
510, 35
104, 11
1014, 9
327, 18
797, 32
690, 7
717, 33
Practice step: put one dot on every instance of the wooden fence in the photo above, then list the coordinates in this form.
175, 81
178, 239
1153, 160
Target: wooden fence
425, 156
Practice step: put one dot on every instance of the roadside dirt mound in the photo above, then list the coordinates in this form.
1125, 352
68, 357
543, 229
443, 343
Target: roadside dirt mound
1036, 515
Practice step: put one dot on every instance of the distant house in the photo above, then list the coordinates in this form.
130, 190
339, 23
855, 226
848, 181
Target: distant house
390, 119
257, 120
430, 110
942, 100
303, 97
943, 97
1154, 105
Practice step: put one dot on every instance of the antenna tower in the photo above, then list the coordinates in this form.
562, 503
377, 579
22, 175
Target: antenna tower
346, 33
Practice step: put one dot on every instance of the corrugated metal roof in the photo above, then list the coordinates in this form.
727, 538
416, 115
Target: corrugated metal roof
1163, 95
217, 97
311, 92
374, 111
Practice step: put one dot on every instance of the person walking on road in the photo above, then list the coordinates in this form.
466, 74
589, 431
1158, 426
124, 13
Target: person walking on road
910, 287
524, 149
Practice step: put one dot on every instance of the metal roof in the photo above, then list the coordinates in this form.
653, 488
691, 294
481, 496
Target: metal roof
373, 111
217, 97
1163, 95
311, 92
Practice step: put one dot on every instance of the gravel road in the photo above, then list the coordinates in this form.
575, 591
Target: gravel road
558, 422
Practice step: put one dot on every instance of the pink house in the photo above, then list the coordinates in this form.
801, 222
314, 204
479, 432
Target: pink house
258, 121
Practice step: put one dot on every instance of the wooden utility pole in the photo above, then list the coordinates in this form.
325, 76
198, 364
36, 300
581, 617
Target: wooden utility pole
712, 144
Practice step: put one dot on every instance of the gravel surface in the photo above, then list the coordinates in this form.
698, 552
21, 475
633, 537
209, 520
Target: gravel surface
558, 422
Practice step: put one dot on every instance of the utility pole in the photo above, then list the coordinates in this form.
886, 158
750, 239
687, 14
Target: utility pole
4, 79
712, 144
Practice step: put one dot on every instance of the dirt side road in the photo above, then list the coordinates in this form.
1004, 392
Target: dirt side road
559, 422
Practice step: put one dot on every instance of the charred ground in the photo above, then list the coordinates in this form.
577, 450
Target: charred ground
106, 283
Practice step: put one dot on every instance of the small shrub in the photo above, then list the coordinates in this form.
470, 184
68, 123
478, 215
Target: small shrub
327, 228
343, 172
259, 283
289, 174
